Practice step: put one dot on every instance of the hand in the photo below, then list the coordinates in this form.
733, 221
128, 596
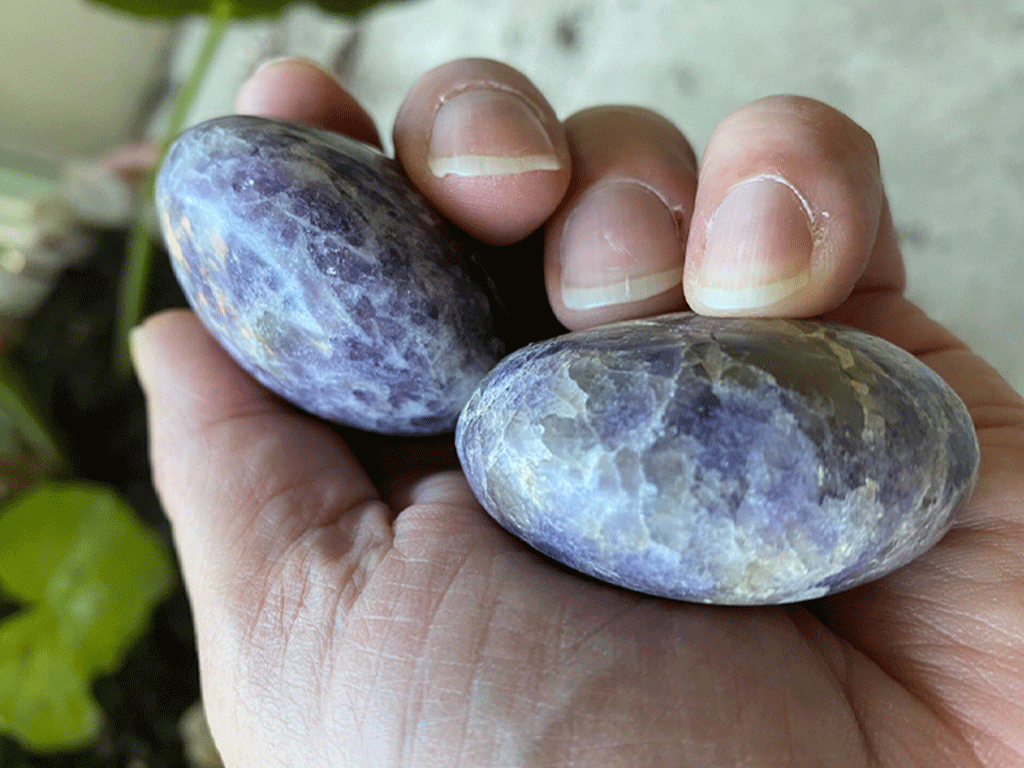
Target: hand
343, 623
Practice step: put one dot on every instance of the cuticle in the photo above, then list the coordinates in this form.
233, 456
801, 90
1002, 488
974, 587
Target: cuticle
482, 85
488, 85
817, 218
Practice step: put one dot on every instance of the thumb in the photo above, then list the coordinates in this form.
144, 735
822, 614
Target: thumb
242, 477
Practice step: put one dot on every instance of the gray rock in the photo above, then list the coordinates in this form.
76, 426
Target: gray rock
730, 461
319, 268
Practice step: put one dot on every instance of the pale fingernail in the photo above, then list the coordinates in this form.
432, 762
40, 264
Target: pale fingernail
277, 60
487, 132
758, 248
254, 100
621, 244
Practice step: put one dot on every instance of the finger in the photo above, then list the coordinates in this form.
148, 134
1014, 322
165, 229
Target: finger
241, 476
297, 90
614, 250
790, 214
131, 162
485, 147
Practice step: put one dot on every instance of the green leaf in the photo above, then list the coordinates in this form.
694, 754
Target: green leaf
239, 8
44, 702
87, 574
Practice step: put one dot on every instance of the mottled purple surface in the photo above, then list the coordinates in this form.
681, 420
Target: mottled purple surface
730, 461
311, 259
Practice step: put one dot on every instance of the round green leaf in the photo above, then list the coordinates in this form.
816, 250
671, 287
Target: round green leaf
45, 703
87, 573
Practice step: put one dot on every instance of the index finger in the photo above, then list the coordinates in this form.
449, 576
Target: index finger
297, 90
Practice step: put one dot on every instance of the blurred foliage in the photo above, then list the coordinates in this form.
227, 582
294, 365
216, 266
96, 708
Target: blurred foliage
86, 574
238, 8
80, 573
62, 362
28, 450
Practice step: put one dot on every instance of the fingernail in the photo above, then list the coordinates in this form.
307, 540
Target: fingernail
487, 132
620, 245
285, 60
253, 97
758, 248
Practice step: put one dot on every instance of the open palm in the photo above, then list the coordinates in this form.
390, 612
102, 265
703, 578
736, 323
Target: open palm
380, 619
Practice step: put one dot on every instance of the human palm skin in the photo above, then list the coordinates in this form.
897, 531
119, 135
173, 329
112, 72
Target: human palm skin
378, 617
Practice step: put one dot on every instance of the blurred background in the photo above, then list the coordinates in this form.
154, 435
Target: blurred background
939, 85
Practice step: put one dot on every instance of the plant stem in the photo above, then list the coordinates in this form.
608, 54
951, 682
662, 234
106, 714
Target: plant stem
18, 403
135, 274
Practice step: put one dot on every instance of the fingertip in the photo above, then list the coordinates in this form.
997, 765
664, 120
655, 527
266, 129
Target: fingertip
614, 251
151, 344
298, 90
485, 147
788, 213
140, 345
222, 447
186, 376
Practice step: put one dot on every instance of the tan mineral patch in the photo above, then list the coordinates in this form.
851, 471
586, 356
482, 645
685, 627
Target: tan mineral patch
172, 240
175, 248
220, 248
844, 355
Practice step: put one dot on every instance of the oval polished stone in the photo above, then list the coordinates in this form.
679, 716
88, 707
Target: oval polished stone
324, 274
730, 461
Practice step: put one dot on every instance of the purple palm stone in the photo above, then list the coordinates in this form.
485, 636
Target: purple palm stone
324, 274
731, 461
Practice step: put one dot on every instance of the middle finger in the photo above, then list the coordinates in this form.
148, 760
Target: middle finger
614, 248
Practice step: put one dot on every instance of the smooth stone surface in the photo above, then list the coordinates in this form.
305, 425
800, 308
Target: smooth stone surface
316, 265
731, 461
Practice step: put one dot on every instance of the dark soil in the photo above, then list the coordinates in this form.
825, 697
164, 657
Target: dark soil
65, 358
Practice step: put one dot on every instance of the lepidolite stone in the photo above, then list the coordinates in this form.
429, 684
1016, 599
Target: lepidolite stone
730, 461
311, 259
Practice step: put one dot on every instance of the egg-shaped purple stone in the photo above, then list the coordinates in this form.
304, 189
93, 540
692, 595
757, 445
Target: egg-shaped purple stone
317, 266
730, 461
